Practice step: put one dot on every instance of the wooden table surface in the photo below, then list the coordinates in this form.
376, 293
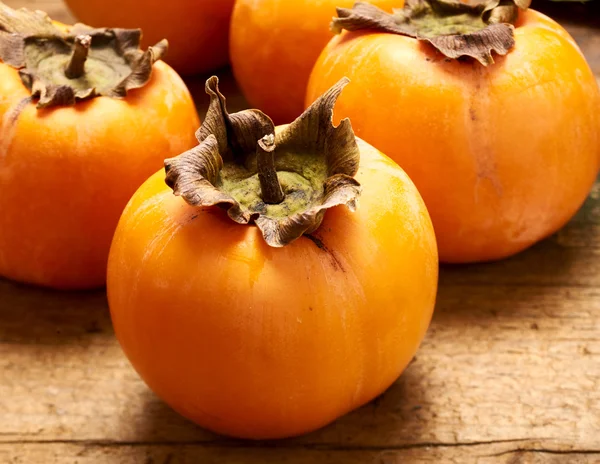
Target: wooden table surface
509, 371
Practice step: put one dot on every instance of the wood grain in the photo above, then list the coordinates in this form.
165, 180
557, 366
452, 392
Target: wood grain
511, 453
509, 371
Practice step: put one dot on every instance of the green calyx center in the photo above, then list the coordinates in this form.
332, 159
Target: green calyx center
301, 179
429, 25
100, 69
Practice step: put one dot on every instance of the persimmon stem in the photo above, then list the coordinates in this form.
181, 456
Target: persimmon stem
267, 175
76, 66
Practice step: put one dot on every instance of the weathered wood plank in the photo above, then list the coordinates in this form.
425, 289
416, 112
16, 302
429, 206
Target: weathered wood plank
521, 452
499, 363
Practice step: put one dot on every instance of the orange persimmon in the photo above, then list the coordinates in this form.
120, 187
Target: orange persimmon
197, 30
69, 165
282, 321
502, 154
274, 45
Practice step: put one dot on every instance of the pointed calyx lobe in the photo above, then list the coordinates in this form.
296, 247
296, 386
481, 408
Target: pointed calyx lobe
61, 66
283, 182
453, 27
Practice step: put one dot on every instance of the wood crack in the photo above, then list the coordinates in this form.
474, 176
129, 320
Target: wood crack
446, 281
269, 445
544, 451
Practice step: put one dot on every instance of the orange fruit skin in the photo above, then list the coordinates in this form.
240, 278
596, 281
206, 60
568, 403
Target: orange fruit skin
259, 342
503, 156
197, 31
274, 45
67, 173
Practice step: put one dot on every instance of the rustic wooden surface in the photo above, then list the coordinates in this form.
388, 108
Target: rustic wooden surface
509, 371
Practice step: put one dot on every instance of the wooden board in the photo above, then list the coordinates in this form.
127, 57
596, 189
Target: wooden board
509, 371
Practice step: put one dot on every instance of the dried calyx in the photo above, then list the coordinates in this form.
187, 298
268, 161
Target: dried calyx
61, 66
283, 182
454, 27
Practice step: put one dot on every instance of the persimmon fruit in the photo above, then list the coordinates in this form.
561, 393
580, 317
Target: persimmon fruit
274, 45
198, 31
295, 312
69, 161
502, 154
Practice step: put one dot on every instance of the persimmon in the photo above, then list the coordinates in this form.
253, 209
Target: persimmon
278, 312
274, 45
85, 117
198, 31
503, 148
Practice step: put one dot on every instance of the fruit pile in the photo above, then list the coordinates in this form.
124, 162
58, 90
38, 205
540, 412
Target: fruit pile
272, 269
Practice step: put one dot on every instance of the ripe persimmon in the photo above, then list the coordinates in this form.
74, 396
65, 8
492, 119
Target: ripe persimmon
74, 149
198, 31
290, 312
503, 153
274, 45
